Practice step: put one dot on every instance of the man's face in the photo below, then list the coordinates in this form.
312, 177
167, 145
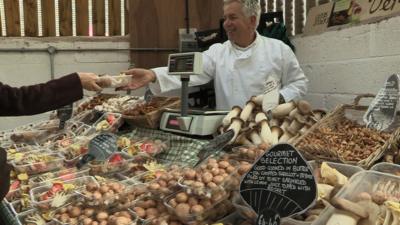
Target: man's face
237, 25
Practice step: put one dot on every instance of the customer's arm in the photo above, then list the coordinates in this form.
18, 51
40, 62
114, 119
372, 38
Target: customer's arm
294, 82
34, 99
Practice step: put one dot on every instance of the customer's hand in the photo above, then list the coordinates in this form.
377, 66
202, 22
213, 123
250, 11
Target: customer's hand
88, 81
140, 78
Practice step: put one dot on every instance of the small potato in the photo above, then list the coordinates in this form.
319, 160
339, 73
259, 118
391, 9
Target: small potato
211, 160
218, 179
182, 210
125, 214
210, 166
151, 203
91, 186
197, 209
162, 183
251, 154
103, 222
140, 212
95, 223
164, 190
75, 212
151, 213
181, 197
123, 221
230, 169
87, 221
206, 203
97, 195
154, 186
212, 185
198, 184
88, 212
102, 216
215, 171
104, 189
223, 164
207, 177
190, 174
64, 217
172, 183
192, 201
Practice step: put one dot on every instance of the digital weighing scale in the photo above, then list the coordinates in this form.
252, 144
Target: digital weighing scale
185, 121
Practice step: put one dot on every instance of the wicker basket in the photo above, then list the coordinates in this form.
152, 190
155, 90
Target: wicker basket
152, 119
353, 112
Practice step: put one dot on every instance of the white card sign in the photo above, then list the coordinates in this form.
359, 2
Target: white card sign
382, 110
271, 93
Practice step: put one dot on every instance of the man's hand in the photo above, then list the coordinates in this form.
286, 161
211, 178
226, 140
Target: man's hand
140, 78
4, 174
88, 81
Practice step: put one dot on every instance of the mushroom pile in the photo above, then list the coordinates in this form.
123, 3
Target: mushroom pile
252, 127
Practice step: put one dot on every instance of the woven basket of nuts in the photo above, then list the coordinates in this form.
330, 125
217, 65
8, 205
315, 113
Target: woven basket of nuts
342, 136
148, 115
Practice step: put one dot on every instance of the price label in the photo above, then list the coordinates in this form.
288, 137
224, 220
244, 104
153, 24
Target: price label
382, 110
280, 181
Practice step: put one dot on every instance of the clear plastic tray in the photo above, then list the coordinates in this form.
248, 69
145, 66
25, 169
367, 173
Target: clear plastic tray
209, 206
17, 207
54, 162
148, 203
147, 145
190, 180
79, 184
378, 185
385, 167
82, 211
22, 217
62, 175
102, 168
104, 123
166, 184
27, 136
13, 195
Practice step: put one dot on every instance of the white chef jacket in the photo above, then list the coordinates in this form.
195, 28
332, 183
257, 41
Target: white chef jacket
240, 73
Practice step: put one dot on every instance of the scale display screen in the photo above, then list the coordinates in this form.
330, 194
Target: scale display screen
181, 64
188, 63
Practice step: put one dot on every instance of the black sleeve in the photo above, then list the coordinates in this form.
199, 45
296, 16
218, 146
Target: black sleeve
34, 99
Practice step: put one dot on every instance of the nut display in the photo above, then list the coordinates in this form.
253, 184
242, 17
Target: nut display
349, 140
148, 208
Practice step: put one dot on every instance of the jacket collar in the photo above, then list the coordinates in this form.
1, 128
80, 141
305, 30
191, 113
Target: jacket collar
245, 52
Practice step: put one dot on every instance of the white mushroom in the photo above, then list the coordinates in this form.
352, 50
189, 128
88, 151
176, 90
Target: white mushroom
242, 140
265, 132
276, 132
257, 99
233, 113
304, 128
304, 107
286, 122
236, 125
260, 116
283, 110
285, 136
245, 114
295, 125
318, 114
254, 137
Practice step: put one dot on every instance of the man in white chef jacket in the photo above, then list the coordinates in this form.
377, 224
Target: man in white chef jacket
240, 66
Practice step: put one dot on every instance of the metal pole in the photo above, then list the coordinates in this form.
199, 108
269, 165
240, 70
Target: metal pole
185, 96
52, 51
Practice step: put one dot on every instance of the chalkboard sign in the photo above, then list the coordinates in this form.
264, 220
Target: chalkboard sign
64, 113
281, 181
100, 148
382, 110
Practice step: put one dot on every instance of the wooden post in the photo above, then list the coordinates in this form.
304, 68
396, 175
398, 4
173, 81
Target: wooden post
65, 8
11, 8
82, 18
114, 10
299, 16
48, 15
98, 18
31, 19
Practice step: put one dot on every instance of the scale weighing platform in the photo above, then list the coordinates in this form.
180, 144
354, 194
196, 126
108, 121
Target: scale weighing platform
186, 121
201, 122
